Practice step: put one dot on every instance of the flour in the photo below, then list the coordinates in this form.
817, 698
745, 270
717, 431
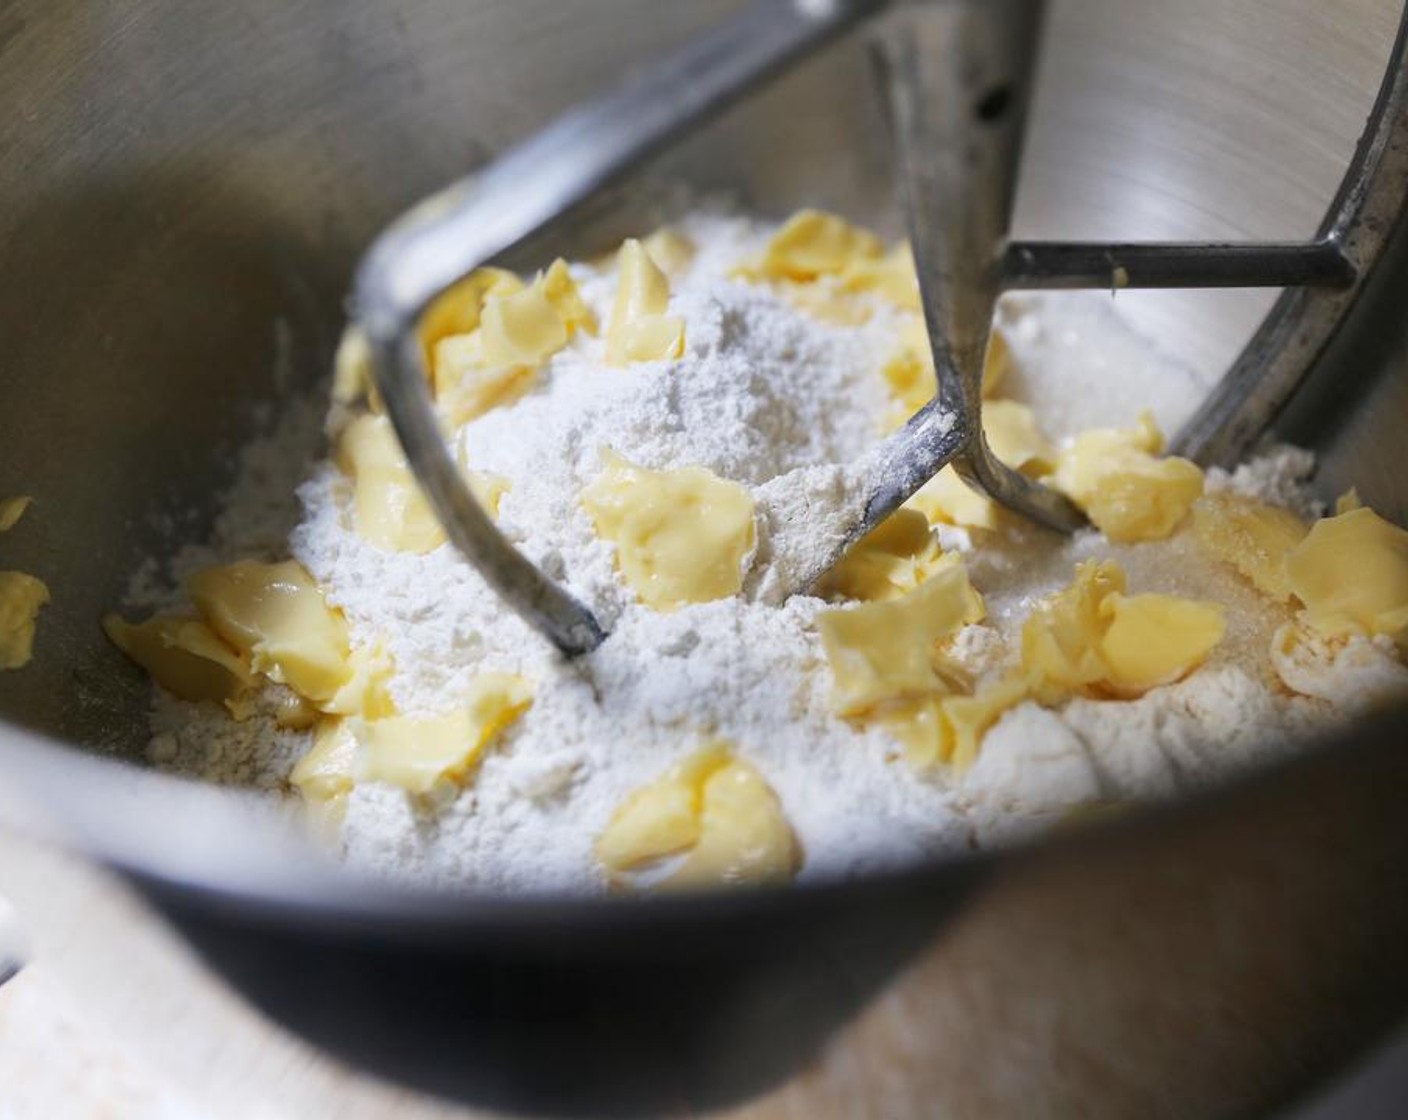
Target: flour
782, 403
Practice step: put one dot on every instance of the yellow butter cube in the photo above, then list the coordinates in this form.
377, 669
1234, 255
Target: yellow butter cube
640, 329
468, 386
389, 509
488, 489
521, 329
1153, 640
1061, 637
1092, 639
184, 656
681, 536
950, 729
353, 376
670, 249
1015, 439
716, 808
21, 597
812, 243
970, 717
744, 837
891, 276
910, 372
11, 510
651, 338
275, 615
1255, 538
1126, 492
561, 291
910, 375
660, 819
416, 753
458, 310
895, 557
997, 365
1351, 573
947, 500
888, 651
293, 712
367, 692
328, 771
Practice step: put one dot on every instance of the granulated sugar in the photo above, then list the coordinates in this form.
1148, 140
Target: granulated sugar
778, 401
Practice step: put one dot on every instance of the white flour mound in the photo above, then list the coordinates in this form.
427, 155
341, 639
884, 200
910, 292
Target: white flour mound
763, 391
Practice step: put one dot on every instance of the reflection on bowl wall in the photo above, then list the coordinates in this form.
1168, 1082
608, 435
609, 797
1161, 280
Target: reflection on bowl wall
184, 195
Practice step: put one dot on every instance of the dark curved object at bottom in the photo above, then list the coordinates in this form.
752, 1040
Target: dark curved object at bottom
674, 1004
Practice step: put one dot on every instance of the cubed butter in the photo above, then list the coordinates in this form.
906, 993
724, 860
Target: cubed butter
891, 276
521, 329
184, 656
670, 249
352, 372
1015, 439
1153, 640
294, 712
998, 363
21, 597
1061, 637
910, 376
1128, 494
329, 769
651, 338
488, 489
640, 330
11, 510
714, 808
744, 837
1253, 537
886, 651
813, 243
660, 819
416, 753
895, 557
1092, 639
681, 536
458, 310
467, 384
910, 371
1351, 574
562, 292
950, 729
388, 507
367, 692
947, 500
275, 615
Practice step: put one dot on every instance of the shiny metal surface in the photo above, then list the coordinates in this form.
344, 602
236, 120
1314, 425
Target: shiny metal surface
183, 199
176, 249
179, 229
956, 78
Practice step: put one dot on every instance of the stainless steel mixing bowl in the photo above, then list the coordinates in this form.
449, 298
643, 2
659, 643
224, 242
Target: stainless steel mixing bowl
183, 191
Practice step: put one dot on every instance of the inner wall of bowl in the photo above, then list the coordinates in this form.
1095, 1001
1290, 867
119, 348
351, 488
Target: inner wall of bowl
184, 199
